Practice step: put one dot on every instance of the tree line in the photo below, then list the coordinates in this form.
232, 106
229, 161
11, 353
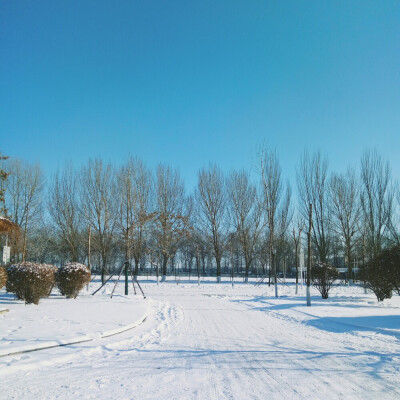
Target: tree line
103, 215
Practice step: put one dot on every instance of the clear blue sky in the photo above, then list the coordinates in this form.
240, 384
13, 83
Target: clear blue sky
188, 82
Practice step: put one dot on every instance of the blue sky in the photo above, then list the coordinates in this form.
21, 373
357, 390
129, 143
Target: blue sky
186, 83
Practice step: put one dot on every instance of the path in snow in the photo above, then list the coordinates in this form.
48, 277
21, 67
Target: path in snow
208, 344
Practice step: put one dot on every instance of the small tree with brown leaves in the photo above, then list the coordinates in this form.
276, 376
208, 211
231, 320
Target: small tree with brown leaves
31, 281
71, 278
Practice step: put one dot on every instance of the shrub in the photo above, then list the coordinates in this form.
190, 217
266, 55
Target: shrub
3, 277
10, 280
391, 258
31, 281
323, 275
71, 278
382, 273
54, 270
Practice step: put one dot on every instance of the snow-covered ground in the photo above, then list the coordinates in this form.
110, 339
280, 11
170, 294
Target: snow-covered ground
207, 342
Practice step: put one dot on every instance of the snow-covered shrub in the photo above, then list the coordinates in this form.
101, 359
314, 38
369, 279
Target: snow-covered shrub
71, 278
382, 273
323, 275
3, 277
31, 281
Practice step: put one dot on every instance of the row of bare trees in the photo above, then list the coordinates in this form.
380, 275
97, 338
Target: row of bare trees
103, 215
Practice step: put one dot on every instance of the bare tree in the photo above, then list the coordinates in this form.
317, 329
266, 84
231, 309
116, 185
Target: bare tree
211, 205
297, 229
135, 188
42, 246
376, 200
310, 226
24, 189
171, 217
285, 215
346, 212
98, 201
246, 213
277, 207
313, 189
65, 213
395, 220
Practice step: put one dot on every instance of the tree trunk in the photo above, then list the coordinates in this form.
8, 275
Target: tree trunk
127, 267
349, 266
297, 269
309, 257
102, 275
164, 268
136, 266
74, 257
246, 272
103, 267
25, 234
218, 270
269, 272
275, 275
198, 268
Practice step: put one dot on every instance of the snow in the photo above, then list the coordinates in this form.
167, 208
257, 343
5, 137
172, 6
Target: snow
57, 320
212, 341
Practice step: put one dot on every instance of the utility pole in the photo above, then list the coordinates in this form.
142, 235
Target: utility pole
89, 237
198, 265
127, 262
275, 273
309, 256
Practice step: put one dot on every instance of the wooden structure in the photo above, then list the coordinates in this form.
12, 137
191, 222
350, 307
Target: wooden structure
7, 226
